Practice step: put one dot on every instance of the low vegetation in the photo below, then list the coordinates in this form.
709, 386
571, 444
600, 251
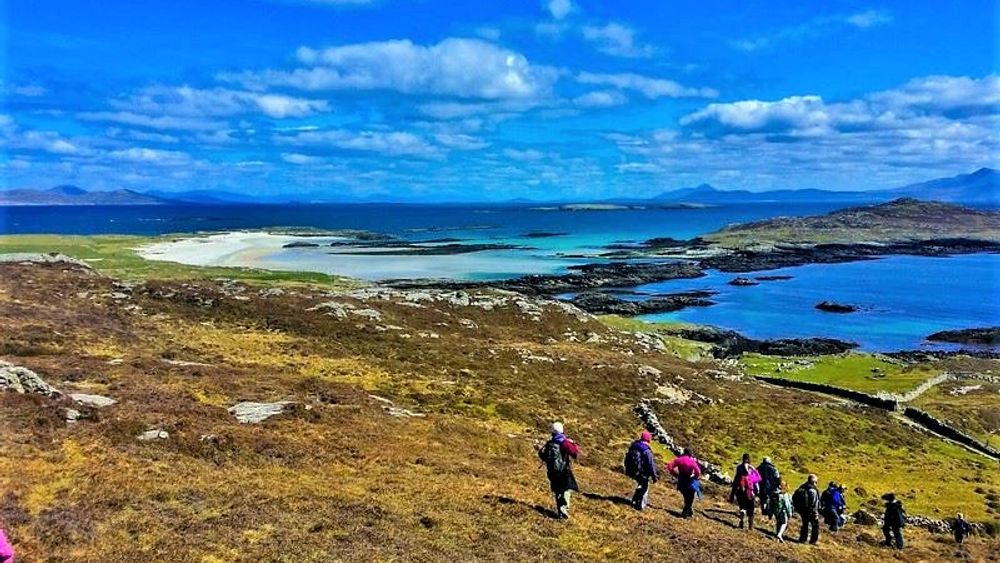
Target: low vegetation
413, 428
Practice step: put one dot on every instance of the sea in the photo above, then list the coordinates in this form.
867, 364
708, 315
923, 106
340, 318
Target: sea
902, 299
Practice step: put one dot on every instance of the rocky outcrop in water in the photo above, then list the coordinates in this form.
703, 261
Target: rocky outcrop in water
979, 336
832, 307
580, 278
741, 281
603, 303
731, 344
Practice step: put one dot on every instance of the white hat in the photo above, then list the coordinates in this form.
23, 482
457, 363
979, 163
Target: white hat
557, 428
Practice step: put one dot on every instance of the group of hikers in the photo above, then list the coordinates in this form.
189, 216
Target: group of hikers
751, 486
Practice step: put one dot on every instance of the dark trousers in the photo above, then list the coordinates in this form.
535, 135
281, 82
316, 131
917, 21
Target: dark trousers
809, 529
688, 494
639, 499
893, 535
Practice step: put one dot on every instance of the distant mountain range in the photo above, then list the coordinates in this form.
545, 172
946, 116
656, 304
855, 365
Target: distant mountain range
981, 187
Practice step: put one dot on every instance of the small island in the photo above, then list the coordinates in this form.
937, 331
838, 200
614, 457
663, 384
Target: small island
832, 307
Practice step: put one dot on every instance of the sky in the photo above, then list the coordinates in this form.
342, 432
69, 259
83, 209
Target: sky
428, 100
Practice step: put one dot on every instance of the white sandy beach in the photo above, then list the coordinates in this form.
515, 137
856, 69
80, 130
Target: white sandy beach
264, 250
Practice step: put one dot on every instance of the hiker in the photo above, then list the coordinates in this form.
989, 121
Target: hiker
893, 521
687, 470
805, 501
770, 482
832, 504
6, 549
746, 487
641, 466
782, 510
961, 528
558, 454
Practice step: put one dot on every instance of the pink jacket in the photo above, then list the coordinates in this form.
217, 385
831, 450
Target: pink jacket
6, 550
684, 466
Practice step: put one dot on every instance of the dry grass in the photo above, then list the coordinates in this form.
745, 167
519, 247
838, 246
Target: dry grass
337, 477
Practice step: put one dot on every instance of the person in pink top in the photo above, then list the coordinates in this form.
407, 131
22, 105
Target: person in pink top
6, 549
687, 471
746, 487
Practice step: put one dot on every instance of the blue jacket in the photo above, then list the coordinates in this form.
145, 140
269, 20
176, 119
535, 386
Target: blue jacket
648, 468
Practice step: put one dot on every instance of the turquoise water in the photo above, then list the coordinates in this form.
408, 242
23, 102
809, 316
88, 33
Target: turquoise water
902, 300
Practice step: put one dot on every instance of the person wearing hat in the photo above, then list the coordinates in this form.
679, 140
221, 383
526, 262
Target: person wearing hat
687, 470
641, 467
893, 521
557, 454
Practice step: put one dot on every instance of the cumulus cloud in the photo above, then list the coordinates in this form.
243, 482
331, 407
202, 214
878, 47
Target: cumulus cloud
466, 68
928, 126
652, 88
618, 40
920, 100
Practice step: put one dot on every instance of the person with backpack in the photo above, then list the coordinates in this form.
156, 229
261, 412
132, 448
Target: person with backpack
641, 467
893, 521
557, 454
961, 528
782, 510
770, 483
687, 470
746, 488
805, 501
832, 505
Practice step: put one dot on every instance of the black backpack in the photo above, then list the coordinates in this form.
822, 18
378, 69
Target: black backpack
633, 462
800, 500
552, 453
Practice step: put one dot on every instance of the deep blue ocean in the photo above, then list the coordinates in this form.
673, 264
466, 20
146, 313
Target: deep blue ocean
902, 298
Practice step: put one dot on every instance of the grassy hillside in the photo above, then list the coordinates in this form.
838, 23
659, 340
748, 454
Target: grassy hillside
413, 432
896, 221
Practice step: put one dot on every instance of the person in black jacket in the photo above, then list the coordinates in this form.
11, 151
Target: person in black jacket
641, 466
806, 504
893, 521
961, 528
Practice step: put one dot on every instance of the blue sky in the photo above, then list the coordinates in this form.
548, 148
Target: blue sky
428, 100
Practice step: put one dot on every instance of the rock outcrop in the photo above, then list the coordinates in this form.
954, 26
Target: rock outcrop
731, 344
832, 307
249, 412
22, 380
978, 336
604, 303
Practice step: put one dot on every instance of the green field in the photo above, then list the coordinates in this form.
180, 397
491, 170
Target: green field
861, 372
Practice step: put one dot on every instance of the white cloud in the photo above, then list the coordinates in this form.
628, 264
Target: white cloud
870, 18
618, 40
186, 101
652, 88
168, 122
600, 99
527, 155
467, 68
297, 158
150, 156
489, 33
944, 93
559, 8
393, 143
460, 141
817, 27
